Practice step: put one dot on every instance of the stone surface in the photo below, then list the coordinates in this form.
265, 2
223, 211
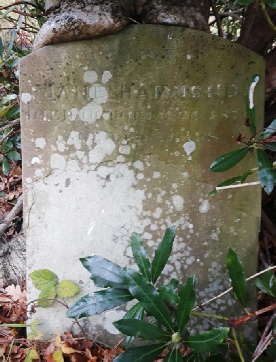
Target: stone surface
118, 136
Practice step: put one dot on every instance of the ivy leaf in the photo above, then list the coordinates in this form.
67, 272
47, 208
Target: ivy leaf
104, 272
101, 301
67, 288
142, 329
13, 156
168, 291
229, 160
208, 341
43, 278
186, 303
162, 253
140, 255
236, 274
266, 174
148, 296
5, 166
46, 297
141, 354
174, 355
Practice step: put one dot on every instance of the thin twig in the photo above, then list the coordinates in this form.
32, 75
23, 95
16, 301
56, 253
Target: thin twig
22, 3
219, 188
15, 211
213, 5
230, 289
10, 124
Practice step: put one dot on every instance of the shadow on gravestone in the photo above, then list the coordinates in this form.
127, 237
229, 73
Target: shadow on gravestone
118, 136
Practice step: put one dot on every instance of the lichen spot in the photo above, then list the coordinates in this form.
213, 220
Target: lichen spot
58, 162
90, 76
106, 76
189, 147
40, 143
26, 97
204, 207
178, 202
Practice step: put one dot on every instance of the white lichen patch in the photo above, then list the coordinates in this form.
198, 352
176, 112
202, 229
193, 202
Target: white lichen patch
178, 202
58, 162
204, 207
98, 94
104, 147
74, 139
26, 97
40, 143
189, 147
124, 149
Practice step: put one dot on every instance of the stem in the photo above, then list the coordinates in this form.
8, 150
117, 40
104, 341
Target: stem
219, 188
254, 314
268, 18
230, 289
237, 345
199, 314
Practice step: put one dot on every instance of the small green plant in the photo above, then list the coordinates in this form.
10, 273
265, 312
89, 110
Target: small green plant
50, 288
170, 306
257, 142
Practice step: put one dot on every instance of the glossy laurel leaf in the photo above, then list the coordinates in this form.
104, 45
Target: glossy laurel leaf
141, 354
148, 296
265, 170
101, 301
140, 255
229, 160
208, 341
266, 282
104, 272
270, 130
186, 303
236, 274
169, 293
174, 355
143, 329
162, 253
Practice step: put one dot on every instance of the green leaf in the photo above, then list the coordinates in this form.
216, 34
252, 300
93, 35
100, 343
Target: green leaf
141, 329
11, 43
236, 274
186, 303
43, 278
4, 110
266, 174
14, 155
1, 49
58, 356
101, 301
46, 297
5, 166
271, 3
168, 292
31, 355
66, 289
141, 354
250, 107
206, 342
140, 255
266, 282
229, 160
231, 181
14, 111
136, 312
215, 358
269, 131
162, 253
8, 97
104, 272
151, 300
174, 355
271, 146
190, 357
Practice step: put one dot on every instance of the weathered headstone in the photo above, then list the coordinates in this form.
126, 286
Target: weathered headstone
118, 136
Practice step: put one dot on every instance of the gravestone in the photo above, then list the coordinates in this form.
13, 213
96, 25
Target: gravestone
118, 137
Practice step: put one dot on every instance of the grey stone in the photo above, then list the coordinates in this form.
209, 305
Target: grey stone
118, 136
